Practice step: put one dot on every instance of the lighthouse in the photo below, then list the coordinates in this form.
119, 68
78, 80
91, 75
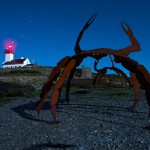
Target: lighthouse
10, 62
9, 53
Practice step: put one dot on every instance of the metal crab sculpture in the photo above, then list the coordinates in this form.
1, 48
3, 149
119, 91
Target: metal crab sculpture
66, 68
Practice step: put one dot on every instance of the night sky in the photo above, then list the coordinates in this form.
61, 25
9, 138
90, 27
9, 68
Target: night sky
46, 30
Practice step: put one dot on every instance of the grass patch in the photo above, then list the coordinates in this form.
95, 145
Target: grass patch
7, 100
21, 72
36, 93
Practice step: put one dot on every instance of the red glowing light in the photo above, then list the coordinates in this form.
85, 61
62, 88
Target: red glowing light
10, 44
9, 48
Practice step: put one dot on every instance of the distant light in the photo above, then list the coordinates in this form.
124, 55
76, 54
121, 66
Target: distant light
9, 43
9, 49
10, 46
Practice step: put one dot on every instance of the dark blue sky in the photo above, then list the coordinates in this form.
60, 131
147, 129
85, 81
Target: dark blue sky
46, 30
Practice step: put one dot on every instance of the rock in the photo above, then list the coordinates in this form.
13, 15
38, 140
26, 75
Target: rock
27, 90
3, 94
13, 89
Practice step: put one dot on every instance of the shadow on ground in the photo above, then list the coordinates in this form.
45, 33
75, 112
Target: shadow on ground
113, 111
50, 145
21, 111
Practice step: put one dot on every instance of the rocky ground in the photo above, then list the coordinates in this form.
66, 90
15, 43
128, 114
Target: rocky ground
97, 119
36, 81
18, 85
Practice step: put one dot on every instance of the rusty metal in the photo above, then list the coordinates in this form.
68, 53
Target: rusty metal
136, 87
66, 67
56, 72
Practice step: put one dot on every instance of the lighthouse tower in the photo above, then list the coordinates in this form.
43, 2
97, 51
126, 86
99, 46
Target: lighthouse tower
9, 53
10, 62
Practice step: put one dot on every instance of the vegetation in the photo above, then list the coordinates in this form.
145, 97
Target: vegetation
36, 93
21, 72
7, 100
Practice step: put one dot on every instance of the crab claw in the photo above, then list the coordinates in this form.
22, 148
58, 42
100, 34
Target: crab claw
89, 22
127, 31
77, 45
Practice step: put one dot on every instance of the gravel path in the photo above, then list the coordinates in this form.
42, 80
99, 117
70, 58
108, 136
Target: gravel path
94, 121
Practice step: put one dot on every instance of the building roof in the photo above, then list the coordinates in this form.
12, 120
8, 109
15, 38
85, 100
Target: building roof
14, 62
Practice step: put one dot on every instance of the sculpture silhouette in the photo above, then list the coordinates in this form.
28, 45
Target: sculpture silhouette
66, 68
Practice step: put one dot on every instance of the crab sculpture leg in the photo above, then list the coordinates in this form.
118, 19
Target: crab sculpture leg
71, 75
54, 99
141, 73
136, 88
135, 84
51, 81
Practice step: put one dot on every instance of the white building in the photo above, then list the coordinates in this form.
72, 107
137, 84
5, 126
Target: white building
10, 62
